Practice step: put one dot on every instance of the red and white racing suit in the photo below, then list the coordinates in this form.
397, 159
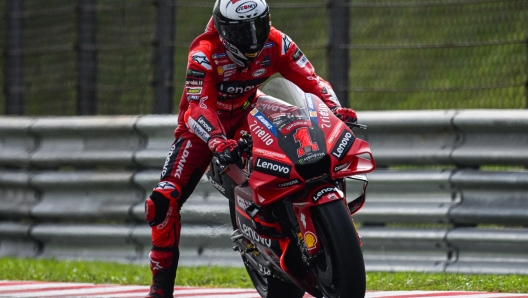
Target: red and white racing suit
217, 98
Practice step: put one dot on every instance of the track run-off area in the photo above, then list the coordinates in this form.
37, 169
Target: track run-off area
77, 290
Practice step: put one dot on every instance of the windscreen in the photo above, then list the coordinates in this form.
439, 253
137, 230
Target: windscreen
284, 106
286, 91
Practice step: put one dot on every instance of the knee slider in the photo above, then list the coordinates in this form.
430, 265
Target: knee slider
157, 206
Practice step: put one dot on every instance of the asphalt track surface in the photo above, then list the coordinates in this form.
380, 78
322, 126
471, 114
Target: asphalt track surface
77, 290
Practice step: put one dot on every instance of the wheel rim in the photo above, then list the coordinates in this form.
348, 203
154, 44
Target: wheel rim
259, 281
325, 272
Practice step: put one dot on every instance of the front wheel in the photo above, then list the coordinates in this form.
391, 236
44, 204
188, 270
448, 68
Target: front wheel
339, 269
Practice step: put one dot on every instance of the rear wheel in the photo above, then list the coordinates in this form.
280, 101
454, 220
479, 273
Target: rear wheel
267, 286
271, 287
339, 269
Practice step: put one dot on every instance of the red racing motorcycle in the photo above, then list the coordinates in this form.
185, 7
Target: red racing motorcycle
292, 222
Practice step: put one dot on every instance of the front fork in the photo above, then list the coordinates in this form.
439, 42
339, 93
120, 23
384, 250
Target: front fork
319, 194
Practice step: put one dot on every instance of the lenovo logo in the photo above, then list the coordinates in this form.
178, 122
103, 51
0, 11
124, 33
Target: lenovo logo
272, 167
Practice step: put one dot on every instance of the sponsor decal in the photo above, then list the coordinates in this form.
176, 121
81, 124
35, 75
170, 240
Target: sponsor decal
193, 97
298, 54
219, 61
224, 68
274, 107
198, 130
317, 178
205, 124
194, 82
224, 106
324, 91
166, 221
246, 7
243, 203
269, 45
259, 72
229, 73
167, 160
310, 239
201, 59
255, 236
261, 133
324, 111
295, 124
312, 157
193, 90
165, 185
323, 191
286, 43
266, 61
195, 73
246, 104
218, 56
340, 167
264, 121
202, 102
213, 143
343, 145
289, 183
157, 265
272, 167
302, 62
183, 159
264, 271
269, 153
335, 132
303, 220
311, 107
216, 185
239, 87
302, 136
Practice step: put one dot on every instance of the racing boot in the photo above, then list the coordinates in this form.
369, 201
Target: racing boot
162, 212
163, 265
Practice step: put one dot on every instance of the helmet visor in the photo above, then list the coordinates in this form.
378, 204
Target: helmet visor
250, 34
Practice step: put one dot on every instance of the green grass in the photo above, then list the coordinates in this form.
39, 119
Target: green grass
115, 273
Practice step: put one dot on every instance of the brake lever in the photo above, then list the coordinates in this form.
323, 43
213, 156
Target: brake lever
352, 125
223, 168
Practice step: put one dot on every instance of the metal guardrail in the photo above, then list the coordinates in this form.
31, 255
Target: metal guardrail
74, 188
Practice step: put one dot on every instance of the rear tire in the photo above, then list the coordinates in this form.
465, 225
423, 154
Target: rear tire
267, 286
270, 287
339, 269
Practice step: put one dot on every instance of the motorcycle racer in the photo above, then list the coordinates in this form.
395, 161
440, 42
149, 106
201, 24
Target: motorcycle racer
237, 53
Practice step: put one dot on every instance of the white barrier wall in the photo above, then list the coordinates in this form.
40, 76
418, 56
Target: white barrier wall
74, 187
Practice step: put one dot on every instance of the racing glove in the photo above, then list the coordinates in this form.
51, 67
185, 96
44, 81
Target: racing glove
345, 114
226, 150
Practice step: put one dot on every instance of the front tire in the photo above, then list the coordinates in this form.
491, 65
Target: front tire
339, 269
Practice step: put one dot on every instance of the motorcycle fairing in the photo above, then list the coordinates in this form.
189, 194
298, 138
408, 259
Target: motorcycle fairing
319, 194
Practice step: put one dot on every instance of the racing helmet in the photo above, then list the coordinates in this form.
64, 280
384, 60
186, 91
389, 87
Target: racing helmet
244, 26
